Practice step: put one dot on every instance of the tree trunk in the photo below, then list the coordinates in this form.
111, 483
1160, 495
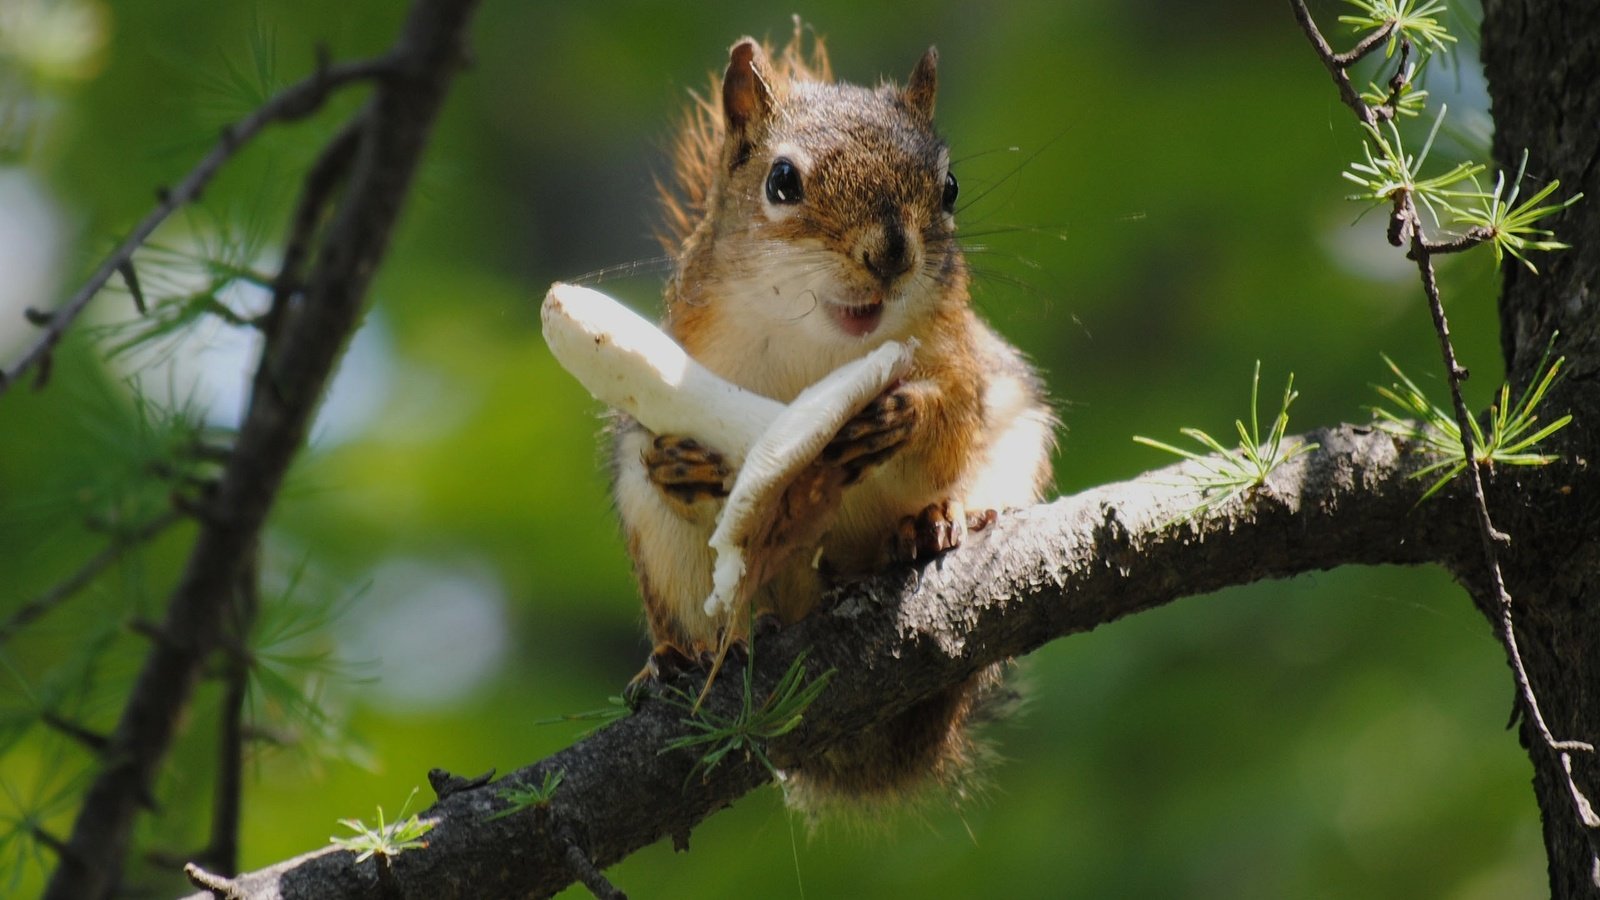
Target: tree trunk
1543, 66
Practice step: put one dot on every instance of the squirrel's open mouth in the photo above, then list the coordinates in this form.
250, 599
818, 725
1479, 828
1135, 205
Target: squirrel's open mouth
857, 321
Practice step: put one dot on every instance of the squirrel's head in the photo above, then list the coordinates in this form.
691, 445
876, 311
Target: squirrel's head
831, 207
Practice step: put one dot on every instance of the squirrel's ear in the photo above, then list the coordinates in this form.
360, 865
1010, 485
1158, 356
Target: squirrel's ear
924, 83
746, 90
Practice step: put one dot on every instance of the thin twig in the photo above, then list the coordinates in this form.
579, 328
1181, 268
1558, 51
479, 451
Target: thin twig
584, 869
1586, 813
222, 850
1338, 64
294, 102
221, 888
93, 740
1466, 241
90, 570
1491, 537
1397, 83
48, 839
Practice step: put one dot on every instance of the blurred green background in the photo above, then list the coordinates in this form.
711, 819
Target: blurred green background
1157, 190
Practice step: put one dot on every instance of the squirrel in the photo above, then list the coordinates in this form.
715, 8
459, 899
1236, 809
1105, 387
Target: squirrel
810, 221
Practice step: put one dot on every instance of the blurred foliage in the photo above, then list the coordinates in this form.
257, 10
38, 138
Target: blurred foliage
1161, 203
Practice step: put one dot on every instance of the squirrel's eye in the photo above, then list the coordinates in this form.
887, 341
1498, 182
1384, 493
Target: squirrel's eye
783, 183
951, 190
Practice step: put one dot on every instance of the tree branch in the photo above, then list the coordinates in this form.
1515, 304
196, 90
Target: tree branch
295, 102
1338, 64
289, 381
1034, 576
86, 575
227, 801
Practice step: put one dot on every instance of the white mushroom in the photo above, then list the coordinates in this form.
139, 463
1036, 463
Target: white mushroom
789, 445
625, 361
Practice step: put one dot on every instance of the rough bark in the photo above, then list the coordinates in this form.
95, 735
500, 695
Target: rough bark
1543, 65
1037, 575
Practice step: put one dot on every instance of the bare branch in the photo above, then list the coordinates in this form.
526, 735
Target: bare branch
1491, 539
583, 870
216, 886
316, 196
1459, 244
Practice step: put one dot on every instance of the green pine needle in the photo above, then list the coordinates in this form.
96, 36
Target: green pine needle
1390, 172
1509, 225
293, 663
244, 81
24, 817
1514, 428
754, 725
1225, 473
1413, 20
616, 708
215, 279
1409, 102
530, 797
389, 839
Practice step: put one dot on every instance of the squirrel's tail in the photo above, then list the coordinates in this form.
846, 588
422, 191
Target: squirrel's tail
928, 750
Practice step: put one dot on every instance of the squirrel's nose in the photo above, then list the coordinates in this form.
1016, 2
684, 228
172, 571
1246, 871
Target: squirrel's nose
889, 256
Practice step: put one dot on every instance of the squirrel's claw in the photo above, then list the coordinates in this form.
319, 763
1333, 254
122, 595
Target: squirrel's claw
978, 520
665, 664
668, 661
939, 527
766, 623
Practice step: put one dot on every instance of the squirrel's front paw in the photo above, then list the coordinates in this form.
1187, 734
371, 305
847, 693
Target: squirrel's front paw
874, 434
685, 470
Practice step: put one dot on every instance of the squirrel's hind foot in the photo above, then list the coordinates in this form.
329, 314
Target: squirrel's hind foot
939, 527
668, 661
665, 664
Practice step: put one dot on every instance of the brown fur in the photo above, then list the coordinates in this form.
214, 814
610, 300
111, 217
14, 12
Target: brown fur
764, 293
699, 139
